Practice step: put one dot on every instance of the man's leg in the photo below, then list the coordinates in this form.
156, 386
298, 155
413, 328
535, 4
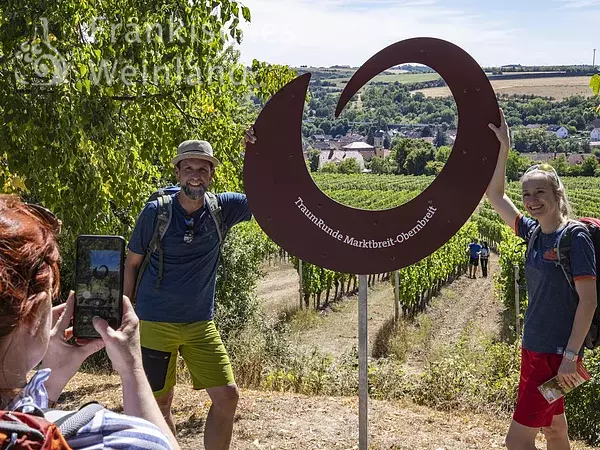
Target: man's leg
209, 366
557, 434
520, 437
219, 423
160, 342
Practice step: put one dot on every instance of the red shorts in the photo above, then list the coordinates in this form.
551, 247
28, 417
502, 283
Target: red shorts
532, 408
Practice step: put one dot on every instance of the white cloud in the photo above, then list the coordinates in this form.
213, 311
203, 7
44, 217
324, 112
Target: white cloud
332, 32
579, 3
329, 32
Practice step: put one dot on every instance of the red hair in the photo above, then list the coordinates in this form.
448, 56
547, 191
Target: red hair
29, 259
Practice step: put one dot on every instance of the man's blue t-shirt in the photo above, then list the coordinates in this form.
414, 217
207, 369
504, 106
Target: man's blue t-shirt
552, 303
475, 249
187, 290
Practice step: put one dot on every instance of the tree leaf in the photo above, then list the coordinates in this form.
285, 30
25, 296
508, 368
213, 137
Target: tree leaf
246, 13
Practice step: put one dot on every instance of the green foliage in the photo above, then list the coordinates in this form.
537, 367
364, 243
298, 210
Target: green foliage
561, 165
516, 164
348, 166
443, 153
512, 254
474, 375
313, 160
433, 167
411, 155
538, 140
589, 166
245, 249
329, 167
92, 147
582, 404
418, 158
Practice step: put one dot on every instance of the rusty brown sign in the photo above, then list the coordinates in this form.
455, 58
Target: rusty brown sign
300, 218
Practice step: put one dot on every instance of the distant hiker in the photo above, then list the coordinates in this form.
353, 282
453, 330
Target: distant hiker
33, 332
171, 271
484, 256
473, 249
558, 316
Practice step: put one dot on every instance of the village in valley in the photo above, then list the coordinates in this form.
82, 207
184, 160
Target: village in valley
540, 112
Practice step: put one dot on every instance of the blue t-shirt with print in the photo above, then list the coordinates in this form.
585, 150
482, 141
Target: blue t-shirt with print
552, 303
475, 249
187, 290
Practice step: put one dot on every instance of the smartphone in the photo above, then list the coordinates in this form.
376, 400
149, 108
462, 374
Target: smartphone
98, 283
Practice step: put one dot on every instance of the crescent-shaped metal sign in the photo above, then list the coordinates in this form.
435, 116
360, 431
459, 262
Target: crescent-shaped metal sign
300, 218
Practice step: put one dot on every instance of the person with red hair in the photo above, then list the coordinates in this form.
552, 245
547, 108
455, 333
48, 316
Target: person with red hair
34, 332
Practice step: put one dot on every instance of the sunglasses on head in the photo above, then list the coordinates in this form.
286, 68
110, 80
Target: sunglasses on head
543, 167
45, 216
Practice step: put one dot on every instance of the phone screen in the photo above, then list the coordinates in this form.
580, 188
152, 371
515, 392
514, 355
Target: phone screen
98, 283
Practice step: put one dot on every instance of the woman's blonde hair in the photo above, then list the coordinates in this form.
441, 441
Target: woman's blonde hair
548, 172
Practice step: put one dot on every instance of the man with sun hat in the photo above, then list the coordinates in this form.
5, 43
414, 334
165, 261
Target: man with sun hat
175, 289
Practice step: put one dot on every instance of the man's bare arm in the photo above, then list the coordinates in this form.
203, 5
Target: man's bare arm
132, 267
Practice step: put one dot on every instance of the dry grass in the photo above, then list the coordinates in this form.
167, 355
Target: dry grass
270, 420
558, 88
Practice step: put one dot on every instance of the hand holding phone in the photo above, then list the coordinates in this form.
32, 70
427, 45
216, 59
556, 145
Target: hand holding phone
98, 283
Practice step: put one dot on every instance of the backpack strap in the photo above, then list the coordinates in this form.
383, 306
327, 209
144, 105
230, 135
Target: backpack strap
163, 220
69, 424
217, 216
563, 249
532, 235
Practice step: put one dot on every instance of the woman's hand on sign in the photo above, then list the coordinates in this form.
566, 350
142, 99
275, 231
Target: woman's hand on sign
249, 136
502, 133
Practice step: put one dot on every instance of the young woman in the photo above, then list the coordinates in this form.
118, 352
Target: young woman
557, 318
32, 331
484, 257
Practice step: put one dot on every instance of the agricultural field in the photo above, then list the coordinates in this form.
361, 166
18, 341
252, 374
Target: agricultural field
558, 88
392, 77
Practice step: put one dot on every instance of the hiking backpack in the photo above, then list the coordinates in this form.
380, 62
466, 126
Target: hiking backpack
563, 252
163, 220
43, 429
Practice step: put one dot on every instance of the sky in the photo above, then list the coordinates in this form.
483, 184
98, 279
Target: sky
322, 33
109, 258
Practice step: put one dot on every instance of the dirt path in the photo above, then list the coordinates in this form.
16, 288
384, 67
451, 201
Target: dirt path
271, 420
336, 331
462, 303
278, 289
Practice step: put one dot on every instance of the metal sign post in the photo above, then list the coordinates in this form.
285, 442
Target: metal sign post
396, 297
300, 296
363, 382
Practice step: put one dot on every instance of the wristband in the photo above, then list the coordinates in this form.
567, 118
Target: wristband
570, 356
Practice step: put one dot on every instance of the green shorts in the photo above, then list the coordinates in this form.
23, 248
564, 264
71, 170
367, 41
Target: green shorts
200, 346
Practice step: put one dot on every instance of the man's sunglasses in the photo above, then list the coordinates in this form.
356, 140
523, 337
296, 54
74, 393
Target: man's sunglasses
188, 237
45, 216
